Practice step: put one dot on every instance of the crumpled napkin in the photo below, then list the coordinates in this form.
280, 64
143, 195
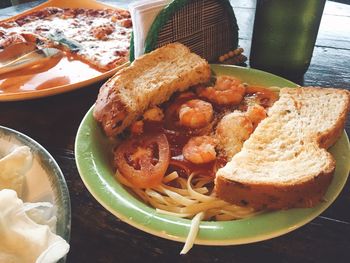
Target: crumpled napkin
143, 14
23, 240
13, 166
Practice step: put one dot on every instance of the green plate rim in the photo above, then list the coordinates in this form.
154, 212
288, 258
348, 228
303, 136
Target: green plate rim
92, 159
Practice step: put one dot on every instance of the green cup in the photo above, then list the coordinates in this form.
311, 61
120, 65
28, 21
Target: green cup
284, 35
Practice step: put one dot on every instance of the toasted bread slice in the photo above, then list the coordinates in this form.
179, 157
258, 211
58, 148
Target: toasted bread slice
148, 81
285, 164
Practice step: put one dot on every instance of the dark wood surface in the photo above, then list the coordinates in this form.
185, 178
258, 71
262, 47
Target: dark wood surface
98, 236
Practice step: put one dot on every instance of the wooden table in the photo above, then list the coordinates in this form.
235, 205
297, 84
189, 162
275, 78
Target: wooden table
98, 236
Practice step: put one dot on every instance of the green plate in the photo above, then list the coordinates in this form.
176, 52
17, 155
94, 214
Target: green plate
94, 153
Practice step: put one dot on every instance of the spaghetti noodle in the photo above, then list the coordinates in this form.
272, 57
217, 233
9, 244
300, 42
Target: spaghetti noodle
187, 188
193, 200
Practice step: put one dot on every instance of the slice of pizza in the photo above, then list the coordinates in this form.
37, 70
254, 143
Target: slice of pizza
99, 37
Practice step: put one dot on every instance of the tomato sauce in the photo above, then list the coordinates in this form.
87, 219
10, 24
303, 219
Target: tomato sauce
178, 136
57, 72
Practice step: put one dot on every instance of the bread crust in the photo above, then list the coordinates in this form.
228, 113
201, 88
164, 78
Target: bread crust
296, 194
148, 81
329, 137
273, 196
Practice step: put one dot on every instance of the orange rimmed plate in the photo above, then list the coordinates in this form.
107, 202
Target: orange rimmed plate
38, 93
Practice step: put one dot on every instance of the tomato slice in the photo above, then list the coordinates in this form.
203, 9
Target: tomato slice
143, 160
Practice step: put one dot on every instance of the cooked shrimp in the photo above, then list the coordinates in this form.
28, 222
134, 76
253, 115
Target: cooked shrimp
195, 113
236, 127
226, 91
200, 149
256, 114
232, 131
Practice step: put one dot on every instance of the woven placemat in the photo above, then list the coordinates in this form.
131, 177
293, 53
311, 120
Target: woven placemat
208, 27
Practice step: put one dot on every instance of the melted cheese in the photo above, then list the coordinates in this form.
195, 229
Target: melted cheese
93, 57
99, 52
